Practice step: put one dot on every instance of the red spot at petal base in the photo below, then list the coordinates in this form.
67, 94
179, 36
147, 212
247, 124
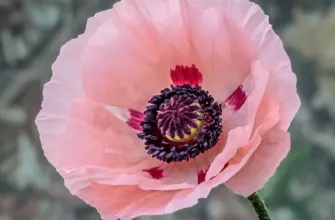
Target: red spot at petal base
202, 176
186, 75
155, 172
224, 167
135, 119
237, 99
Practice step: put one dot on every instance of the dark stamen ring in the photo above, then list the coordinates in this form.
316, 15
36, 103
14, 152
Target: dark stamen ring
180, 123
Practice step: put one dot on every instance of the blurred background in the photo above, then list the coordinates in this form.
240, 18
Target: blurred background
31, 33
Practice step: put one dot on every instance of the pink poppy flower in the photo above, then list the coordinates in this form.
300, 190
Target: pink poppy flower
159, 101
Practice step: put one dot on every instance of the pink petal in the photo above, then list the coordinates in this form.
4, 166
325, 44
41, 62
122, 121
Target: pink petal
131, 54
262, 164
250, 18
282, 81
147, 174
267, 118
63, 88
106, 76
225, 51
132, 202
240, 125
98, 138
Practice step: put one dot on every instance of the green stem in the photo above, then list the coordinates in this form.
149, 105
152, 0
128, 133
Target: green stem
259, 206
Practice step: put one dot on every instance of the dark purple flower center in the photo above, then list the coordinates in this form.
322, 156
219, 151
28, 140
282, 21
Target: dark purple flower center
180, 123
180, 118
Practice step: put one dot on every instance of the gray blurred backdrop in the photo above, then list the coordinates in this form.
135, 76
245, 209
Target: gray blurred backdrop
31, 33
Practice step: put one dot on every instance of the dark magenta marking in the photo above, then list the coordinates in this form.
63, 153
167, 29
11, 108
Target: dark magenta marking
155, 172
135, 119
182, 75
202, 176
236, 99
224, 167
